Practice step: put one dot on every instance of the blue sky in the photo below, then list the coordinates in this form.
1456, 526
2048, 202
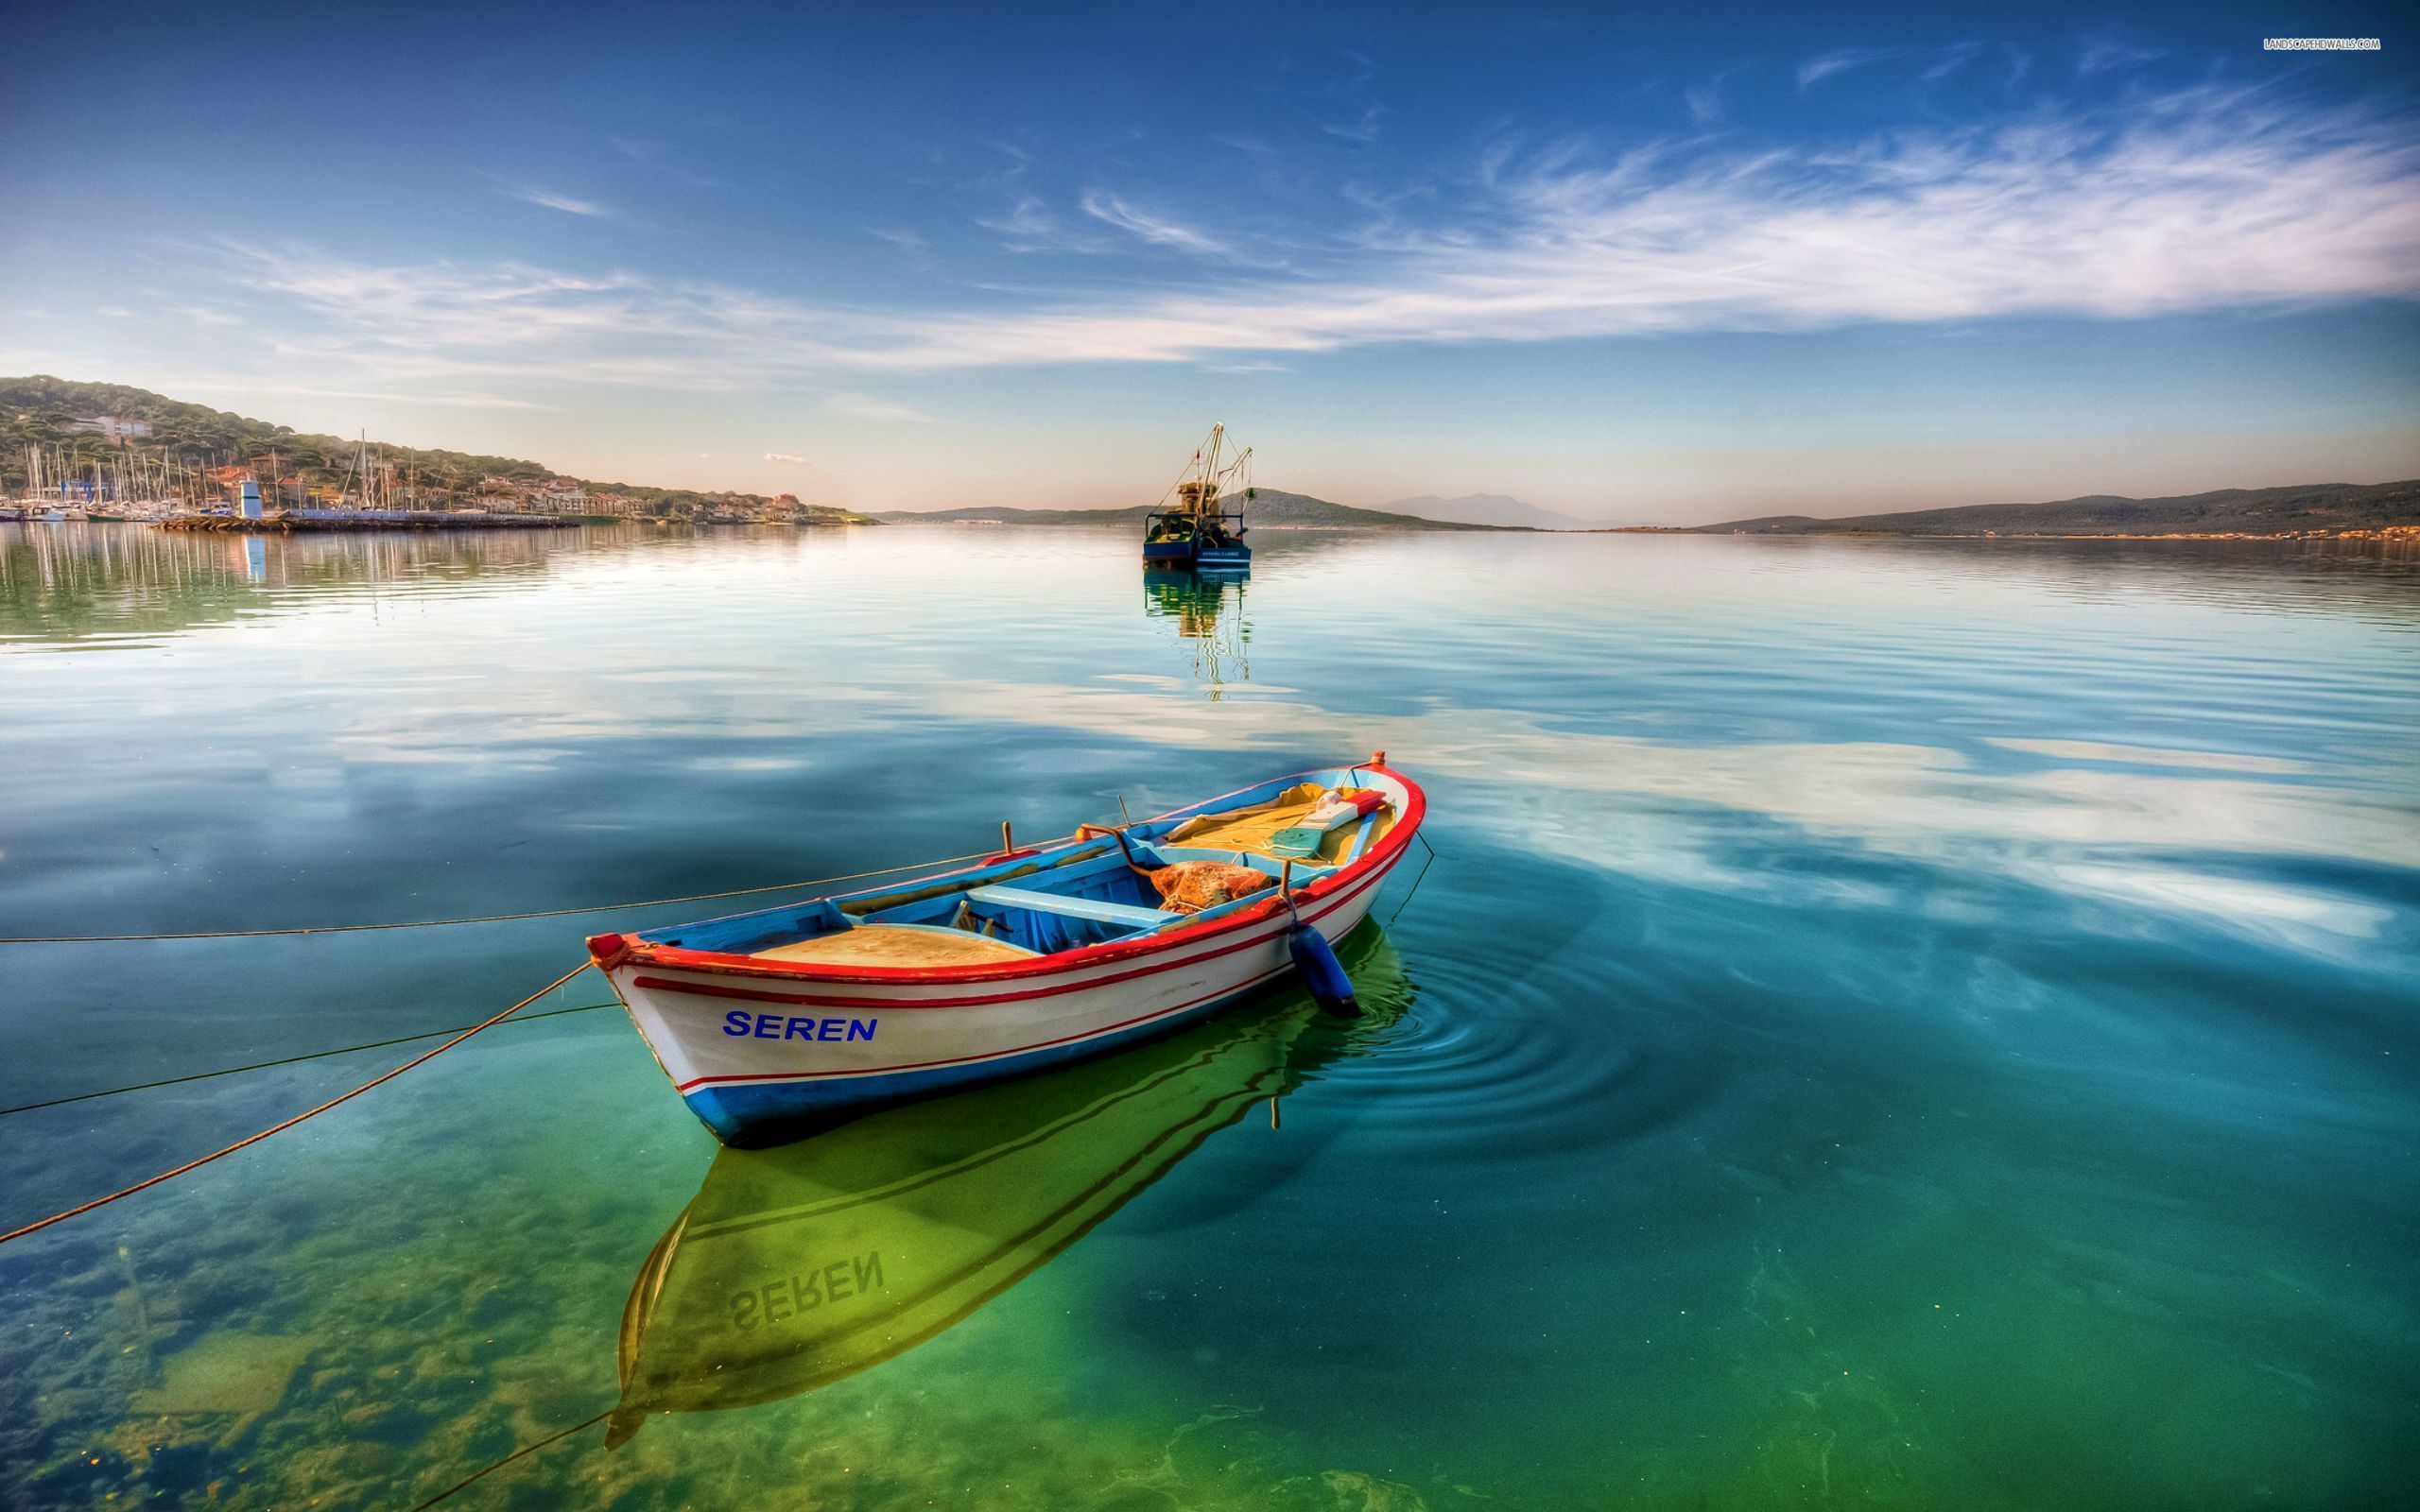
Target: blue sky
1680, 266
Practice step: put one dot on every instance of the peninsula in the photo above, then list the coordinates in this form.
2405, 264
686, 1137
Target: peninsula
2308, 509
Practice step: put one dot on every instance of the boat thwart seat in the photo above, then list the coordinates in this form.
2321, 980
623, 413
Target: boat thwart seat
1099, 910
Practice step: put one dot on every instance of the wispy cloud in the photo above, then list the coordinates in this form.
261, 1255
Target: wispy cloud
550, 200
1363, 127
1353, 91
1157, 229
1839, 60
1704, 101
218, 387
2103, 52
783, 457
1935, 62
1028, 226
865, 407
2208, 198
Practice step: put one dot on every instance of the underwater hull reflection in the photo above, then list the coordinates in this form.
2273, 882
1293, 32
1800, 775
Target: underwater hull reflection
796, 1266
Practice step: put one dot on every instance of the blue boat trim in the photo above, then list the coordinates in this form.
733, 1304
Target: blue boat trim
1188, 551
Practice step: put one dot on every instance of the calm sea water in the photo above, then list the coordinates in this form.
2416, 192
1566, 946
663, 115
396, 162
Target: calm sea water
1890, 1023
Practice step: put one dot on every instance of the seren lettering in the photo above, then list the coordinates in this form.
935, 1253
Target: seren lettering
741, 1025
794, 1295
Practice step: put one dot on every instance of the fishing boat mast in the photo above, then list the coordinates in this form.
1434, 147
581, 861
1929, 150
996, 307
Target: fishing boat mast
1205, 492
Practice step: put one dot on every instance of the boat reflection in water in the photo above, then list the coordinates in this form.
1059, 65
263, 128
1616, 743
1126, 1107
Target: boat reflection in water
794, 1267
1208, 608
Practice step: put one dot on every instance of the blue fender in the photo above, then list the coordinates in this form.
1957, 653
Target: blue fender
1321, 973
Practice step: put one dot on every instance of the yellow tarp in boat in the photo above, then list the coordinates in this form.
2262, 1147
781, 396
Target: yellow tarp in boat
1252, 828
897, 945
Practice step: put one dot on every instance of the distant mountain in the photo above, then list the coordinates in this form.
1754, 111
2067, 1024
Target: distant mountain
82, 424
1273, 507
2308, 507
1499, 509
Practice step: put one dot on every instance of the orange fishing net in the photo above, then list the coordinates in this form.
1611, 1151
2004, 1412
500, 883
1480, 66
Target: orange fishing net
1190, 887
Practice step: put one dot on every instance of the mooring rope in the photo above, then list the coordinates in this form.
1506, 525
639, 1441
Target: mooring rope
498, 919
40, 1224
522, 1451
282, 1060
1418, 878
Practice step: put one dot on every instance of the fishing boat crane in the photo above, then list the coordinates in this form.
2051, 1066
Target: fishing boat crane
1201, 532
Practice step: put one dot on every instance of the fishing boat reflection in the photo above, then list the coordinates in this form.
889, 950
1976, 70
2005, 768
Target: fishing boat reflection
1208, 608
796, 1266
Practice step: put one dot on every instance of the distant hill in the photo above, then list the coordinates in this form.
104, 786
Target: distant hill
1273, 507
1487, 509
2309, 506
60, 416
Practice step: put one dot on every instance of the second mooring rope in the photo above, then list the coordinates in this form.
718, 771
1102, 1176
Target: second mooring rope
40, 1224
497, 919
282, 1060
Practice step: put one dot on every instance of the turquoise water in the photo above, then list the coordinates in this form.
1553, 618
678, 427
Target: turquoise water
1892, 1023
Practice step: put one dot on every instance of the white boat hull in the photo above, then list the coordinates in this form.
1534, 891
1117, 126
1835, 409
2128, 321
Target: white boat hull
771, 1022
752, 1055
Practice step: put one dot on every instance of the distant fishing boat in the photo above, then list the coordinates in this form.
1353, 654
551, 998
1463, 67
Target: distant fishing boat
1201, 532
772, 1022
795, 1267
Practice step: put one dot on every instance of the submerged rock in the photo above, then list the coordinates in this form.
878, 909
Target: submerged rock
227, 1372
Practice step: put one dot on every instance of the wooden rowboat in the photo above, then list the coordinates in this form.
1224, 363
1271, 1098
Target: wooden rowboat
775, 1021
794, 1267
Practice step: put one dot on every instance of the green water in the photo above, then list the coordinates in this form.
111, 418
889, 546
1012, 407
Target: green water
1892, 1023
